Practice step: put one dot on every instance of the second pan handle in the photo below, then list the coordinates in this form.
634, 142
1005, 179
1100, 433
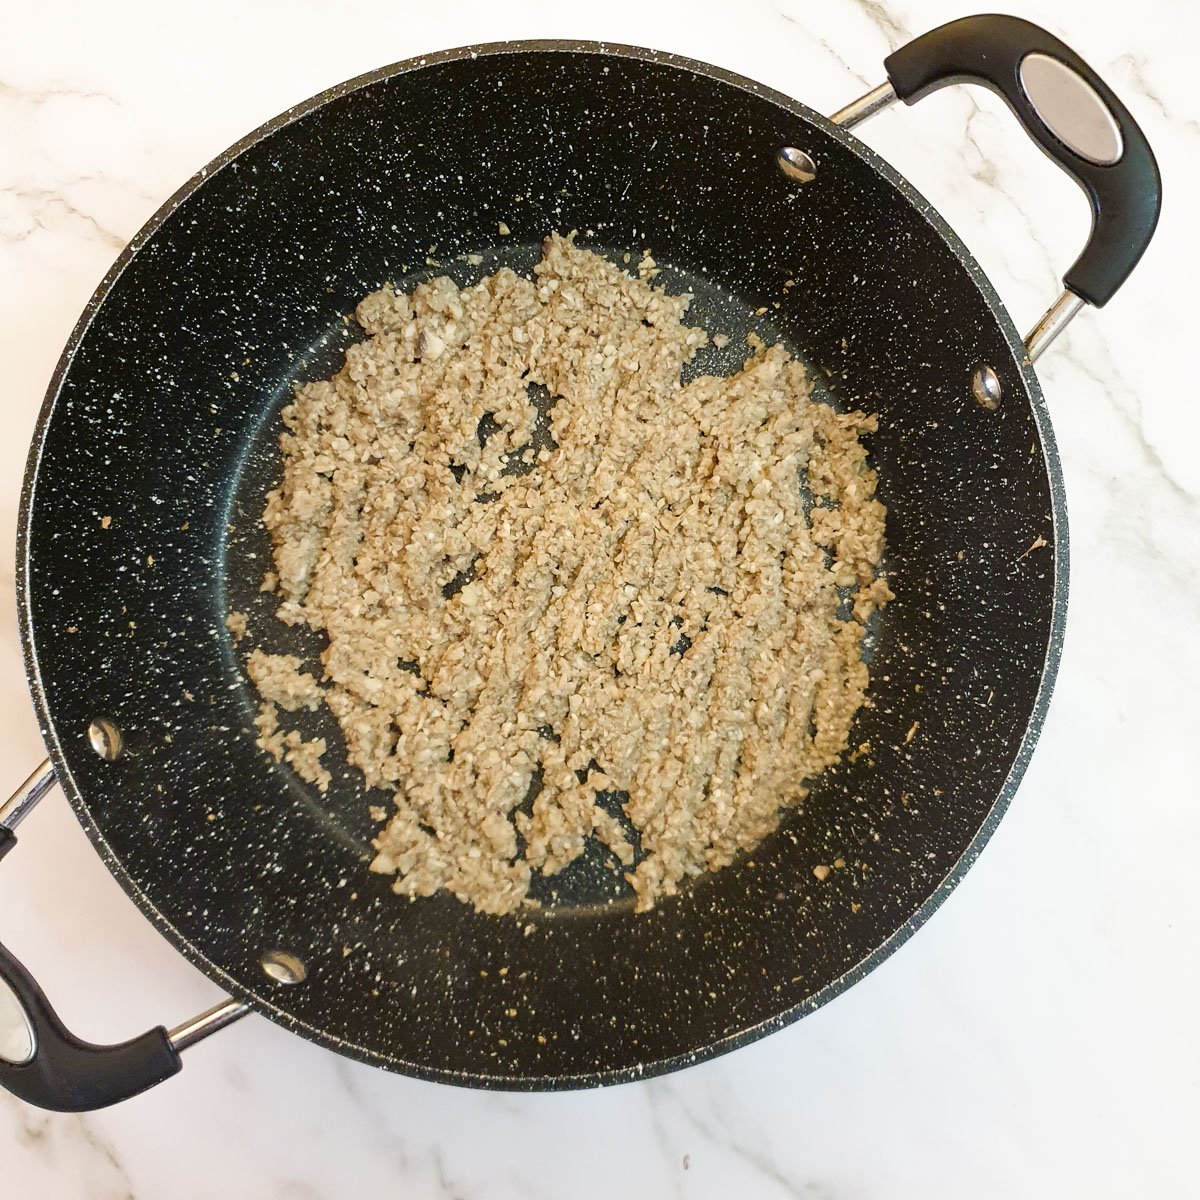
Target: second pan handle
41, 1061
1070, 112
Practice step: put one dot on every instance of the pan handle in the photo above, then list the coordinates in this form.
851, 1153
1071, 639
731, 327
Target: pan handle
41, 1061
1070, 112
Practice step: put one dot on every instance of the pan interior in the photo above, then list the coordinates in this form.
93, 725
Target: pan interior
594, 878
158, 443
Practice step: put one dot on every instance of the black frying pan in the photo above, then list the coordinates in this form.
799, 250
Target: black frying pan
157, 442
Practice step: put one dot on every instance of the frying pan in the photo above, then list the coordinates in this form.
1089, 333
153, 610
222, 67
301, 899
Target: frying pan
139, 532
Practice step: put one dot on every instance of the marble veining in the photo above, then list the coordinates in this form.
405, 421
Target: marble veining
1040, 1028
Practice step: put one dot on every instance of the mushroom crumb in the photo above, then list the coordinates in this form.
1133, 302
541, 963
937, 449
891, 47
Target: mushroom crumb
638, 628
821, 872
304, 757
278, 678
647, 268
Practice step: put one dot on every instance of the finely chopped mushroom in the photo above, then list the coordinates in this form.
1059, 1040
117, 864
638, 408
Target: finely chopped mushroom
645, 607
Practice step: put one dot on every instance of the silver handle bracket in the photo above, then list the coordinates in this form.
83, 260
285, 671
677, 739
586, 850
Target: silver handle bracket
25, 798
857, 111
207, 1023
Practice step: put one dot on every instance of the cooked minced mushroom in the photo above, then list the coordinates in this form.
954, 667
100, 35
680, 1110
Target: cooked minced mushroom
641, 608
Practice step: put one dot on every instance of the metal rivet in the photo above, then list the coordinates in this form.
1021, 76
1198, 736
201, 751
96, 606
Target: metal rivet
106, 738
985, 387
284, 967
795, 164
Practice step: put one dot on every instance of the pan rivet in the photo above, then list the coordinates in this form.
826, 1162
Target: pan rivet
284, 967
795, 164
105, 738
985, 387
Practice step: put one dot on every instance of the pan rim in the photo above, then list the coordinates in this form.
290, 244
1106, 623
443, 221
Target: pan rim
260, 1001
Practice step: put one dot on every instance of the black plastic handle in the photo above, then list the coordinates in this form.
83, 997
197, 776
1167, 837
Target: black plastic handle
66, 1074
1125, 195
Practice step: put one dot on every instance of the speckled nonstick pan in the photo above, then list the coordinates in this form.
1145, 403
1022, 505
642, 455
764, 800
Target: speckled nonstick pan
157, 441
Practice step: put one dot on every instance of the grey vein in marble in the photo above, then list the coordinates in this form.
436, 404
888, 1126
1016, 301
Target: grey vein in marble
29, 96
40, 204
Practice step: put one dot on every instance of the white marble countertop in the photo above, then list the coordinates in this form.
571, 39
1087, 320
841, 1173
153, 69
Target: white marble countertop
1039, 1036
